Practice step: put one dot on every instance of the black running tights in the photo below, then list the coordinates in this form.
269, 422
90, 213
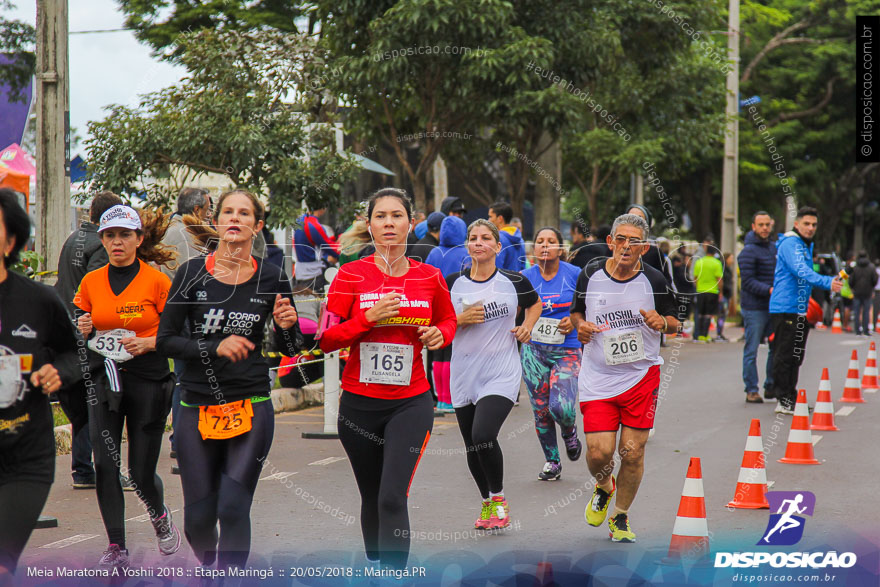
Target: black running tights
480, 424
384, 441
20, 505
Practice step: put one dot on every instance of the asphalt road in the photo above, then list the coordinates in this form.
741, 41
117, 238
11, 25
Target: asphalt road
306, 510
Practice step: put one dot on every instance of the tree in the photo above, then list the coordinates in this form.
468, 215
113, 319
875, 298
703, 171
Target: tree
239, 113
799, 139
414, 74
16, 42
161, 23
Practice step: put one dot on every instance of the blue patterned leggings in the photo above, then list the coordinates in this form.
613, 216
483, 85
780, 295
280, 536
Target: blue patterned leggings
551, 376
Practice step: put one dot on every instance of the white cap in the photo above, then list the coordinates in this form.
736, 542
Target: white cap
120, 216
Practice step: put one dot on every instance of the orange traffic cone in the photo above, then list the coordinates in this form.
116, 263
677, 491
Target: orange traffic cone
690, 535
823, 412
852, 393
752, 482
869, 375
836, 326
799, 450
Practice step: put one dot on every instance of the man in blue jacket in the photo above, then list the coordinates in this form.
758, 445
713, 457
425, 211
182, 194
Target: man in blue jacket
513, 250
757, 264
793, 280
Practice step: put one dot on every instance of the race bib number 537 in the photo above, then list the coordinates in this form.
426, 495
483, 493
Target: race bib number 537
108, 343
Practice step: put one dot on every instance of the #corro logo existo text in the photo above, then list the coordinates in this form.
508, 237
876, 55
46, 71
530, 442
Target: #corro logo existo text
786, 528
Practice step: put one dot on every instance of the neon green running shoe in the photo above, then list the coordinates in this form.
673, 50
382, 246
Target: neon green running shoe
597, 509
620, 530
483, 521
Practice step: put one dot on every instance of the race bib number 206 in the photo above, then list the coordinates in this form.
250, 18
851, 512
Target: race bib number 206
627, 347
390, 364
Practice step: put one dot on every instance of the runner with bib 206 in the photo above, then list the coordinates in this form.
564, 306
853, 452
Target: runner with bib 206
121, 303
485, 371
620, 309
552, 360
38, 354
226, 421
385, 308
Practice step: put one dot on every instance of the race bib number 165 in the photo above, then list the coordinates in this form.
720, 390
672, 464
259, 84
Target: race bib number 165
390, 364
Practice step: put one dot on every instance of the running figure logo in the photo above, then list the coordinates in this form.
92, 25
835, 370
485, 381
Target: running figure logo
213, 320
785, 526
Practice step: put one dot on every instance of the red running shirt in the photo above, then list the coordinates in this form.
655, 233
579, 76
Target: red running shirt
426, 302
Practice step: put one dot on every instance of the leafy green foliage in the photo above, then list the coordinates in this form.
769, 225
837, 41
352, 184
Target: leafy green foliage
238, 113
163, 23
16, 41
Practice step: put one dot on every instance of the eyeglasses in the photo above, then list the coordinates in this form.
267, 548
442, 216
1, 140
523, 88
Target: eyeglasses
621, 240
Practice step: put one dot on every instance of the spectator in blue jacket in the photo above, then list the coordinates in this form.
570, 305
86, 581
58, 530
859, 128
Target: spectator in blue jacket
513, 249
451, 255
757, 265
793, 279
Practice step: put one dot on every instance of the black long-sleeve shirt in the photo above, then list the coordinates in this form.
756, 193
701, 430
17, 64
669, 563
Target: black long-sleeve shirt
215, 311
34, 321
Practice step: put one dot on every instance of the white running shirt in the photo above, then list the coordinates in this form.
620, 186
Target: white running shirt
485, 358
614, 306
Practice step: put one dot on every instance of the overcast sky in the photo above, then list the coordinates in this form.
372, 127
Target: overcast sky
105, 68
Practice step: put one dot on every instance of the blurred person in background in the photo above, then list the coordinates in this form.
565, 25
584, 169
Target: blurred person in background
876, 318
313, 251
727, 277
862, 281
513, 252
429, 241
453, 206
788, 304
757, 265
583, 249
81, 253
708, 274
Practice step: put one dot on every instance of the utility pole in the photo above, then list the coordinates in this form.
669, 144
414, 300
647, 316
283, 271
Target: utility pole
53, 130
730, 180
730, 183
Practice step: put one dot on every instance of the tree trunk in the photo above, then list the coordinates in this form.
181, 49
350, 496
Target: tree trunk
420, 190
546, 194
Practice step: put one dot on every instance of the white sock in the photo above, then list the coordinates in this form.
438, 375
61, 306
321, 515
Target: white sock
499, 494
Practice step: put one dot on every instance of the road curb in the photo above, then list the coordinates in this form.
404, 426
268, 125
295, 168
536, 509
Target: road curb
291, 399
63, 439
284, 399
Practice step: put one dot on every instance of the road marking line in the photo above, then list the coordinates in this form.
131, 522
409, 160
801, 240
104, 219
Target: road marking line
816, 439
280, 476
327, 461
770, 484
850, 342
145, 517
870, 390
845, 411
68, 541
